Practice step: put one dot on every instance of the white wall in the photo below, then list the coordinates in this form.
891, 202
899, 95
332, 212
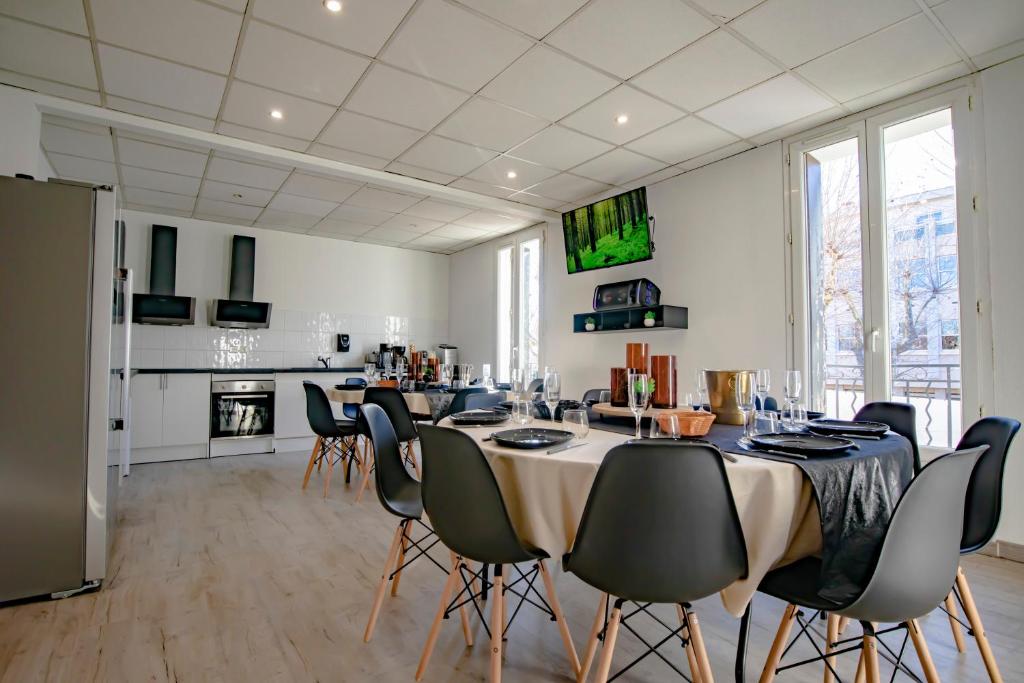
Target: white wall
20, 123
473, 316
1002, 91
318, 287
719, 239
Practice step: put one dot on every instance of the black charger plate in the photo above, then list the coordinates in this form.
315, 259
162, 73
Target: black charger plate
805, 444
830, 426
530, 437
468, 418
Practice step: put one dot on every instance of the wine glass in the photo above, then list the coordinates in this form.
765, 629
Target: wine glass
744, 384
552, 390
702, 390
575, 420
639, 392
517, 381
447, 372
371, 370
763, 383
793, 386
665, 426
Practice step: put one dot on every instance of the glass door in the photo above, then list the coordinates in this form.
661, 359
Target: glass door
518, 294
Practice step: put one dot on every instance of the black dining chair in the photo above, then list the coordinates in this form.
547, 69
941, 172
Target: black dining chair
912, 572
457, 478
901, 418
981, 519
660, 527
770, 404
535, 387
591, 396
458, 403
351, 410
336, 439
483, 400
399, 494
397, 410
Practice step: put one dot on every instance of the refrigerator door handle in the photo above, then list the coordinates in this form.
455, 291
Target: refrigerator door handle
124, 466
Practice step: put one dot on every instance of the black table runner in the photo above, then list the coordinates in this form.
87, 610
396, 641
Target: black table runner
856, 494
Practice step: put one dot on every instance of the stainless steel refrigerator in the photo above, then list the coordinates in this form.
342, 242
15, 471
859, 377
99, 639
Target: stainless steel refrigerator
64, 348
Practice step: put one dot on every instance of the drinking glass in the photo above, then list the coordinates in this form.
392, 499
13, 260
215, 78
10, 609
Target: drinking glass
665, 427
488, 381
792, 392
605, 397
552, 390
765, 422
575, 420
371, 370
702, 390
797, 418
691, 401
639, 392
744, 384
763, 385
447, 372
522, 412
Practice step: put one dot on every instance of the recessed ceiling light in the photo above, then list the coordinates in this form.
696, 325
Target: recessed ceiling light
333, 5
622, 119
510, 175
276, 114
237, 195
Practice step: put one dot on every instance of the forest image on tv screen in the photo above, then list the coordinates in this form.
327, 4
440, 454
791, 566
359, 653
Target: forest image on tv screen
607, 233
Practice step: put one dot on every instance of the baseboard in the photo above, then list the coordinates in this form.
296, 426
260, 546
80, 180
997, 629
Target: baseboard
141, 456
1004, 550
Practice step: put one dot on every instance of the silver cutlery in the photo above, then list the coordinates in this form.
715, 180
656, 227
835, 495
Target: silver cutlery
566, 446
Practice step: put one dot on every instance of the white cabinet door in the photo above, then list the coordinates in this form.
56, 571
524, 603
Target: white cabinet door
147, 410
186, 412
290, 408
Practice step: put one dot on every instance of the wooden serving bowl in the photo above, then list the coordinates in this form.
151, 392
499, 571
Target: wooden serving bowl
390, 383
691, 422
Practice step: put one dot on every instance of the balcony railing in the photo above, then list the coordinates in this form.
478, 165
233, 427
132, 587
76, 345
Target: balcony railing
933, 388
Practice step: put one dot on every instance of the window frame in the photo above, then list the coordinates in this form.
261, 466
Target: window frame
514, 242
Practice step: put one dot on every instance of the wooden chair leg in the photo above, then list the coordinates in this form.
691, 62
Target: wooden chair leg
367, 470
958, 635
435, 627
923, 655
330, 465
693, 625
861, 676
323, 449
971, 610
402, 549
691, 658
378, 598
463, 614
563, 628
611, 633
312, 461
831, 636
410, 453
870, 654
778, 645
595, 630
843, 623
497, 626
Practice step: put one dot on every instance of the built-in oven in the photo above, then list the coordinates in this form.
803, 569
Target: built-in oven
241, 409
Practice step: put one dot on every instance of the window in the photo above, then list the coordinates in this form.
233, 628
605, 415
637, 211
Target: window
519, 269
878, 264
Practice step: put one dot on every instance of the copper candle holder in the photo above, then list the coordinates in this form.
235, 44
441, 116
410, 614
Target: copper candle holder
663, 370
620, 387
638, 357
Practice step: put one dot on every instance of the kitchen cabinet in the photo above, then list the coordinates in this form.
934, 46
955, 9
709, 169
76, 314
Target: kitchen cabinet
169, 410
290, 402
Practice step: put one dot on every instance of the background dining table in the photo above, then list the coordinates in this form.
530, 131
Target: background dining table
416, 400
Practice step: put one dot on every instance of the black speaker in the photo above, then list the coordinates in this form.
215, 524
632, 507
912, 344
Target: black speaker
343, 343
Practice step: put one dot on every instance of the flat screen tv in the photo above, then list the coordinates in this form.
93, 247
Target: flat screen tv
611, 232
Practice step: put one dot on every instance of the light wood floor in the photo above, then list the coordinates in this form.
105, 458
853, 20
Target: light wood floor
225, 571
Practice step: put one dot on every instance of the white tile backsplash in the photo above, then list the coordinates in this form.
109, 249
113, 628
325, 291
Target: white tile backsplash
295, 339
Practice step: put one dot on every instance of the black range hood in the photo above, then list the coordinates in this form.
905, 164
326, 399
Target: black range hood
239, 310
161, 306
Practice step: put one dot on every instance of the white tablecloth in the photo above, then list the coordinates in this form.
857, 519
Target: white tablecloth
416, 401
545, 495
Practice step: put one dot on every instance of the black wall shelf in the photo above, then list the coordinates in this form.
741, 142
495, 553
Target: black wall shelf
632, 320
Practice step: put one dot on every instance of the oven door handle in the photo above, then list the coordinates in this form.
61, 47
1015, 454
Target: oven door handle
234, 396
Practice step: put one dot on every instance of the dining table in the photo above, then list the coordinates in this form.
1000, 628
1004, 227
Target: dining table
416, 400
834, 507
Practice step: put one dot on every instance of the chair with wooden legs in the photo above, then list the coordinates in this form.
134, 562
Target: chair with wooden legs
336, 439
660, 527
912, 573
901, 418
462, 499
981, 518
399, 494
397, 410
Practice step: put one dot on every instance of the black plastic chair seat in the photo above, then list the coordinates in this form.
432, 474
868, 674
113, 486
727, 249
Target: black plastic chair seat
797, 584
346, 427
406, 500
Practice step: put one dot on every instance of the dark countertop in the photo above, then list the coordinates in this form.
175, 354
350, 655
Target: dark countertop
242, 371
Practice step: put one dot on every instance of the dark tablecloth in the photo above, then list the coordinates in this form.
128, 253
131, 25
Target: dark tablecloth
856, 494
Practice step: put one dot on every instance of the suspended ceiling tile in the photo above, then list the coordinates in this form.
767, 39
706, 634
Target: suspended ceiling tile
235, 194
682, 140
159, 82
242, 173
446, 156
782, 100
149, 179
387, 93
250, 105
362, 25
618, 166
66, 15
600, 117
160, 157
36, 51
489, 124
560, 148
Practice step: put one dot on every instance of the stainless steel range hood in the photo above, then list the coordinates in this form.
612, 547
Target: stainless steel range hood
239, 310
161, 306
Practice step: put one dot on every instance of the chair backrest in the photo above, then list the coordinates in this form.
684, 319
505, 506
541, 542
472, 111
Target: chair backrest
458, 403
393, 403
462, 499
391, 476
592, 396
770, 404
534, 387
901, 418
660, 524
919, 555
985, 492
481, 400
351, 410
318, 411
